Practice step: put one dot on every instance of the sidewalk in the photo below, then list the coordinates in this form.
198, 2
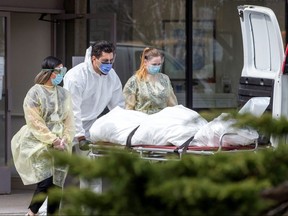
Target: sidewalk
16, 203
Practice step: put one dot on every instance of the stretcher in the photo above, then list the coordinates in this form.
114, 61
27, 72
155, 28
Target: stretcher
171, 152
218, 135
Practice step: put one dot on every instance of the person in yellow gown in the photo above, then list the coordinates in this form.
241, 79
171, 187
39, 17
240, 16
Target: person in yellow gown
49, 125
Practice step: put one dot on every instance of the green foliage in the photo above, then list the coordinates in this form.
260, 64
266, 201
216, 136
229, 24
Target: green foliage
264, 124
222, 184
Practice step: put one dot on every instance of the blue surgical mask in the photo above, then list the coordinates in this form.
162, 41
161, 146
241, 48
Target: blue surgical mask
105, 68
154, 69
57, 80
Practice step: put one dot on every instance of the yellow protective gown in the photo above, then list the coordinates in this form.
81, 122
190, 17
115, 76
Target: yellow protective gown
150, 95
48, 114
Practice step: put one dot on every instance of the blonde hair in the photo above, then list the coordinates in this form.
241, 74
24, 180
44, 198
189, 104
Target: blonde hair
147, 54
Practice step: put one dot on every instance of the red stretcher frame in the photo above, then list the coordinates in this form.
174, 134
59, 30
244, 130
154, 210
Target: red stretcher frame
163, 153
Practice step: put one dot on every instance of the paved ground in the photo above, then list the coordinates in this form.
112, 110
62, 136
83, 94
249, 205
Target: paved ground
15, 203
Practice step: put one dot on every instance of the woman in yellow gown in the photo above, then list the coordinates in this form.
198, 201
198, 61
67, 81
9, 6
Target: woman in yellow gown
49, 125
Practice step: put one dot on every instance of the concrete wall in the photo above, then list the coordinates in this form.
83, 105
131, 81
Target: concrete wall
30, 44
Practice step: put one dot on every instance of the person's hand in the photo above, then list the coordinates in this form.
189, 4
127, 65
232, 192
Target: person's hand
84, 144
59, 144
64, 144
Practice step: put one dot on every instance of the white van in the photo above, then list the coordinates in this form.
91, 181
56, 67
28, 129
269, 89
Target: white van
263, 73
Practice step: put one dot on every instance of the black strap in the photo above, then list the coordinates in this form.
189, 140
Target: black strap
129, 138
184, 145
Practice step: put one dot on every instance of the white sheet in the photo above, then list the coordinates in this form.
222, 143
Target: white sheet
209, 135
172, 125
116, 125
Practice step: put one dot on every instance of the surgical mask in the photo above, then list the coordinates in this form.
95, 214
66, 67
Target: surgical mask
154, 69
57, 80
105, 67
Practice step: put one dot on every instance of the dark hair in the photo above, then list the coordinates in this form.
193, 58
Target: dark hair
102, 46
49, 62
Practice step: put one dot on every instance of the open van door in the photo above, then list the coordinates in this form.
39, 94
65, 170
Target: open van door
262, 73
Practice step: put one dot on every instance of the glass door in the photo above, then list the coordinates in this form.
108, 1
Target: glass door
101, 27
